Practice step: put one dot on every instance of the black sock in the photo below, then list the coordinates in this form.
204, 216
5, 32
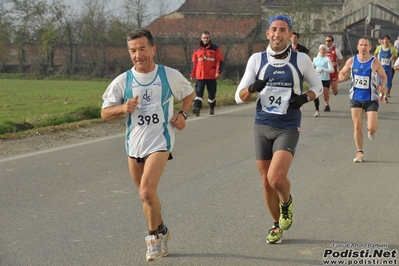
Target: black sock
155, 232
276, 224
288, 203
162, 229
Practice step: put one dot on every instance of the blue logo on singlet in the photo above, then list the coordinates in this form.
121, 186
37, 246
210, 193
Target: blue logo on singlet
146, 96
271, 108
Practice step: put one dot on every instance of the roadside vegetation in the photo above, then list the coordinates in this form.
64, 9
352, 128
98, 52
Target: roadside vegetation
29, 105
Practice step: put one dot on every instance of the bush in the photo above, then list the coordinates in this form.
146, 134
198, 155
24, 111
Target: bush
11, 127
83, 113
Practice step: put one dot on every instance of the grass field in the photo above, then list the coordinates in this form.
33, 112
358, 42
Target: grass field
30, 104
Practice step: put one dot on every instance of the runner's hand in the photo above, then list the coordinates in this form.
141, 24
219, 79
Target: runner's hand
258, 85
297, 101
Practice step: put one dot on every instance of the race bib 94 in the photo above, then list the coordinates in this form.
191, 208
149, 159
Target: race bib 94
275, 100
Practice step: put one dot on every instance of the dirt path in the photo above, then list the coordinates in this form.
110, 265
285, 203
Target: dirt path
46, 140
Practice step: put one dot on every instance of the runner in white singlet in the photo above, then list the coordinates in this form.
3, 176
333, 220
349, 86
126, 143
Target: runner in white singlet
145, 96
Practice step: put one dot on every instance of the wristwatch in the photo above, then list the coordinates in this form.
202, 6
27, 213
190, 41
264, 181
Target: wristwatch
184, 114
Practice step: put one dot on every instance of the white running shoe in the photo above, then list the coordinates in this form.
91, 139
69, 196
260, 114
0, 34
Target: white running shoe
317, 114
164, 242
358, 158
153, 248
371, 136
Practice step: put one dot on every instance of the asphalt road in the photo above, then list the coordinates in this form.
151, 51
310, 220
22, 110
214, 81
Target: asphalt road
76, 205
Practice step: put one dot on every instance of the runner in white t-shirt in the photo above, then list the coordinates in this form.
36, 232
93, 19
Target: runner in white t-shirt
144, 94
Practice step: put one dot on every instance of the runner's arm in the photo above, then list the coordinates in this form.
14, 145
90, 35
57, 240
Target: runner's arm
345, 70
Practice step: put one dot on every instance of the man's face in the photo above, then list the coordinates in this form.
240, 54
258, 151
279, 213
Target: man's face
142, 54
278, 35
205, 38
328, 41
294, 39
364, 46
385, 42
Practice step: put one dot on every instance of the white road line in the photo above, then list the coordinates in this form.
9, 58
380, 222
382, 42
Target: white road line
241, 107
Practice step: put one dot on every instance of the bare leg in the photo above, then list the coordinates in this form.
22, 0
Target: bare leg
146, 177
276, 185
357, 118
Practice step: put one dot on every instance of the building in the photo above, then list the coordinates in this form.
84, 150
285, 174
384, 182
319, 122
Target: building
372, 21
235, 26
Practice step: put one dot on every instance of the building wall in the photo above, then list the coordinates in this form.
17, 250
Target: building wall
353, 5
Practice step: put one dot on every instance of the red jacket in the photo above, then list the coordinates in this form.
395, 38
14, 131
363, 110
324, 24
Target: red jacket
206, 61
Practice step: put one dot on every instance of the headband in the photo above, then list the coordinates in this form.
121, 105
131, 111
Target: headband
283, 18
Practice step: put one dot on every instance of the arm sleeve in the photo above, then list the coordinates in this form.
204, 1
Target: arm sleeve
330, 66
339, 54
115, 92
193, 65
219, 61
377, 50
249, 76
179, 85
310, 74
393, 50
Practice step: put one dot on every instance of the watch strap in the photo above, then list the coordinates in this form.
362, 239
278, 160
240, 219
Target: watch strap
184, 114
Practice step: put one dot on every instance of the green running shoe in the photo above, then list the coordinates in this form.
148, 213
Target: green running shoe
275, 235
286, 216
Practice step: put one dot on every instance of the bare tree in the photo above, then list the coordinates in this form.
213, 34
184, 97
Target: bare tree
26, 16
305, 13
67, 34
136, 12
93, 35
5, 33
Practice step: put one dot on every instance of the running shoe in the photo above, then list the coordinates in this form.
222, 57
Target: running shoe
286, 216
358, 158
211, 111
164, 242
196, 111
389, 95
317, 114
380, 97
275, 235
327, 108
371, 136
385, 100
153, 248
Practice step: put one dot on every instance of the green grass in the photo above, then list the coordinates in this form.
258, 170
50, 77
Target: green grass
28, 104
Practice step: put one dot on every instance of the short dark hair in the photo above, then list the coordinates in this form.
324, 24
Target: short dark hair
387, 37
296, 34
206, 32
329, 36
135, 34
